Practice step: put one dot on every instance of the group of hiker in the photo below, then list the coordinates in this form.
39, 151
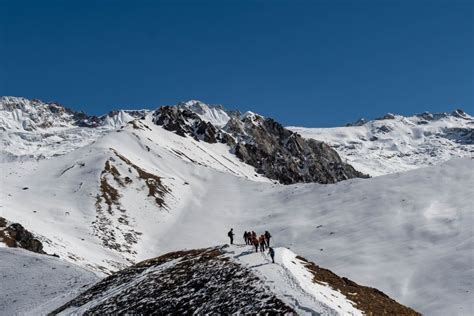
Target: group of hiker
261, 242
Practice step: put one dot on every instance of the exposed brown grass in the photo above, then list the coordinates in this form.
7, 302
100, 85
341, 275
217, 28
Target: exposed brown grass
156, 188
369, 300
110, 168
108, 193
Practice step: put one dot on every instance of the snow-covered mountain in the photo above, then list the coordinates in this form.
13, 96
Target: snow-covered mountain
146, 188
397, 143
32, 129
263, 143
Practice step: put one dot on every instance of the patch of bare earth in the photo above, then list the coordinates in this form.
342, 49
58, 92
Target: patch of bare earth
113, 225
369, 300
156, 188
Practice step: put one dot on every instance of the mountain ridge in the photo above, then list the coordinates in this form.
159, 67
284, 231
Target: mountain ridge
396, 143
227, 280
263, 143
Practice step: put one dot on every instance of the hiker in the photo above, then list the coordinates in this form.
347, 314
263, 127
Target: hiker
255, 243
267, 238
246, 238
272, 254
254, 235
262, 243
231, 236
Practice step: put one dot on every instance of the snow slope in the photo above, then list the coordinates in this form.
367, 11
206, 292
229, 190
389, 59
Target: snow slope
408, 235
34, 284
396, 143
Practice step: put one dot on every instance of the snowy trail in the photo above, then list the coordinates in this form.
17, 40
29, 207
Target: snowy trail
292, 282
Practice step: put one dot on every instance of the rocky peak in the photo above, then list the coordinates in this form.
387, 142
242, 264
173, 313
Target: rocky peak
460, 114
184, 122
263, 143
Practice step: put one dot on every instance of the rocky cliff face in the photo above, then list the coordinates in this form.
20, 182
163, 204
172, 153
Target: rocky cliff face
265, 144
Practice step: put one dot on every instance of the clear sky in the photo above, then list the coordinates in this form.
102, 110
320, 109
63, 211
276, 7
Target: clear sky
307, 63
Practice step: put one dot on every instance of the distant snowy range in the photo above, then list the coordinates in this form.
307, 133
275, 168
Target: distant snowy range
128, 213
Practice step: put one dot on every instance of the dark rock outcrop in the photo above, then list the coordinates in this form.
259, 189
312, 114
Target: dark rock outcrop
283, 155
15, 235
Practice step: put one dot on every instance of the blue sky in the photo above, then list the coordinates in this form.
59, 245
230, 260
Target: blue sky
307, 63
